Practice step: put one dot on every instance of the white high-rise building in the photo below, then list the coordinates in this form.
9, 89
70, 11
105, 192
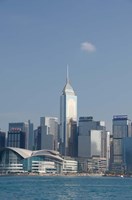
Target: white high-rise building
68, 114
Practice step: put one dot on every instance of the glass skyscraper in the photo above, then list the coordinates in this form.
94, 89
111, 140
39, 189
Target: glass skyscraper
68, 115
121, 130
20, 135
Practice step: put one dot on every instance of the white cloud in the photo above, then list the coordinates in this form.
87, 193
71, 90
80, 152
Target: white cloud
88, 47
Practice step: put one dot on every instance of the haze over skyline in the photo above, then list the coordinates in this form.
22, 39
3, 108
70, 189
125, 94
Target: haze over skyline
37, 41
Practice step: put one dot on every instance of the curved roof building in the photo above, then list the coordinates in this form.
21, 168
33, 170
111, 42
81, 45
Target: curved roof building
20, 160
24, 153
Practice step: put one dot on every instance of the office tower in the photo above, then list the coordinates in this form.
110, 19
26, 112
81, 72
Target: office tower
2, 139
20, 135
93, 138
49, 133
111, 153
73, 140
16, 138
96, 143
30, 135
37, 138
68, 114
121, 129
127, 154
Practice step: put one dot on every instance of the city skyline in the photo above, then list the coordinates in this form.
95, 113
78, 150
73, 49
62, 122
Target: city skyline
38, 39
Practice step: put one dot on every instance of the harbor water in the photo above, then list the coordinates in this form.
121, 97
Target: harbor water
65, 188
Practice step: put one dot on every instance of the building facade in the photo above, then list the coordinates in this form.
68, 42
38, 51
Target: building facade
16, 138
49, 133
73, 140
20, 135
17, 160
127, 154
68, 114
37, 138
2, 139
96, 164
121, 129
93, 139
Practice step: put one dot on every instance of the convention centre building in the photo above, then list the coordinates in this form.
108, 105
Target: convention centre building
18, 160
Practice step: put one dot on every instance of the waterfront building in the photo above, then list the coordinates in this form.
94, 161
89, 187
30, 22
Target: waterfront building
96, 164
93, 164
121, 129
17, 160
68, 115
49, 133
70, 165
20, 135
45, 167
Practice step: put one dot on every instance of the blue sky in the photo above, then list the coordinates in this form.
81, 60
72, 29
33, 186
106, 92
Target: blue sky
38, 38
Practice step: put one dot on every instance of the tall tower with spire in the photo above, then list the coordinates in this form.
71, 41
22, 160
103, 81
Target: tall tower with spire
68, 117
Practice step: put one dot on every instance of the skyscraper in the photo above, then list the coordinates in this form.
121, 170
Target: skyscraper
68, 114
20, 135
16, 138
93, 144
37, 138
121, 129
92, 139
2, 139
49, 133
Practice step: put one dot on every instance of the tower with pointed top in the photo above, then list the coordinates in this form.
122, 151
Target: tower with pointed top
68, 117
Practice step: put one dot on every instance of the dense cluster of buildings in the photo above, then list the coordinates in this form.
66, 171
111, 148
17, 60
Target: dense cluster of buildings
67, 145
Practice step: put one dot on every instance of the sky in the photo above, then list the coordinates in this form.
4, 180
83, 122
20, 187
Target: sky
39, 38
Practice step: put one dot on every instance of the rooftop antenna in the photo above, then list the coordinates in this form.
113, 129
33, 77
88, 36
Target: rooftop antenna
67, 75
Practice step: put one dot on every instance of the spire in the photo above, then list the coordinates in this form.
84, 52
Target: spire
68, 88
67, 75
